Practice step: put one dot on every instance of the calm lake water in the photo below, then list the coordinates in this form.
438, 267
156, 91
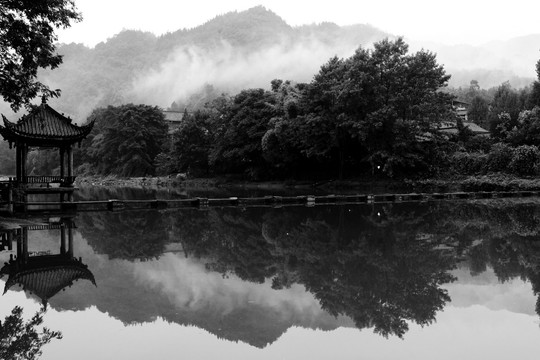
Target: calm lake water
438, 280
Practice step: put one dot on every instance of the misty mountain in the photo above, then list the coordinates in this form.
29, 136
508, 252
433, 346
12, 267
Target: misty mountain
231, 52
491, 63
239, 50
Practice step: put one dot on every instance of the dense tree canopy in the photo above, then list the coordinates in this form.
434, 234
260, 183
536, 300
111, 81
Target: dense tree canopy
241, 126
125, 140
376, 113
376, 105
27, 44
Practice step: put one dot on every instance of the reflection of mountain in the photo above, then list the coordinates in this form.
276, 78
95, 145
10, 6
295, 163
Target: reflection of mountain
44, 275
171, 287
242, 275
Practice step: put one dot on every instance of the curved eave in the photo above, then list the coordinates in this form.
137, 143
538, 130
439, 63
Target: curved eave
10, 133
15, 279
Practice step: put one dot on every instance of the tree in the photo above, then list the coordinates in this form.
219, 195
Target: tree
21, 340
27, 44
478, 111
282, 144
125, 140
524, 131
192, 143
506, 100
392, 99
244, 121
474, 87
535, 93
327, 124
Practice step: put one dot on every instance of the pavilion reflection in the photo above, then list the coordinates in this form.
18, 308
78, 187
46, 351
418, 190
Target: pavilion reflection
43, 274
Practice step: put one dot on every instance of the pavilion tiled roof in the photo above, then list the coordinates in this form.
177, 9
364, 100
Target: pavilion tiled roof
46, 281
44, 124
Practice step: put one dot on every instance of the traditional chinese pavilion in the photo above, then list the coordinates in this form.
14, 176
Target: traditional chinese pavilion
45, 275
42, 128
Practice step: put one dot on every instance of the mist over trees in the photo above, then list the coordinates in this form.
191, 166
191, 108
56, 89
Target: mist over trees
375, 111
139, 67
370, 112
374, 114
240, 50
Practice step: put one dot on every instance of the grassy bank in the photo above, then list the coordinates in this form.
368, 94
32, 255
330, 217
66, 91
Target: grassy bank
490, 182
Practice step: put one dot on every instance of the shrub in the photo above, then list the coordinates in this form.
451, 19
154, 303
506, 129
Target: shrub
499, 158
525, 160
478, 144
469, 163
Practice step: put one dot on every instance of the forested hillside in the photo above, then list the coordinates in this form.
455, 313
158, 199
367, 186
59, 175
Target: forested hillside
231, 52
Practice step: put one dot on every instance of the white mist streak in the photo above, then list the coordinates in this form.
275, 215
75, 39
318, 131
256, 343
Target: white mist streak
229, 69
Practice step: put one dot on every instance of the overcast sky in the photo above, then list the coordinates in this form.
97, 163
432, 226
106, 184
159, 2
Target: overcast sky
450, 22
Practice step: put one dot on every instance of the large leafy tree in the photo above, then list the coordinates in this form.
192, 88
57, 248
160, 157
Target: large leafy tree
535, 92
27, 43
479, 110
327, 122
380, 103
394, 97
238, 138
125, 140
524, 131
192, 143
505, 101
282, 143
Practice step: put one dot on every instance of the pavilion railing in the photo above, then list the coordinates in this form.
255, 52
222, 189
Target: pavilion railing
49, 179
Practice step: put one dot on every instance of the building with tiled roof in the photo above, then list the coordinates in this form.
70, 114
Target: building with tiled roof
174, 119
452, 128
461, 108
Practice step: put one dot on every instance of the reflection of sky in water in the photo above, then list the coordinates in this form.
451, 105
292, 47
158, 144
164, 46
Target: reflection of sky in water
173, 307
477, 324
471, 332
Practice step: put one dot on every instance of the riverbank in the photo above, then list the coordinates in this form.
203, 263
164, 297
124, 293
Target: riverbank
490, 182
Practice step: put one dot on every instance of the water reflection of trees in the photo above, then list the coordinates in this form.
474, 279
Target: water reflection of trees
365, 263
130, 235
381, 265
501, 234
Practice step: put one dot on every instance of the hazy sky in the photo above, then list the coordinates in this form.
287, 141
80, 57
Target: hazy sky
457, 21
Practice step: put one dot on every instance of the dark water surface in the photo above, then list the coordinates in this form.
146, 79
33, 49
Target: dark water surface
438, 280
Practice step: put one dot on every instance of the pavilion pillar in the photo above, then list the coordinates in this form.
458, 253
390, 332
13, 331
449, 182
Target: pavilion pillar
62, 162
10, 240
18, 236
24, 154
25, 244
70, 172
62, 239
18, 162
70, 241
70, 161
